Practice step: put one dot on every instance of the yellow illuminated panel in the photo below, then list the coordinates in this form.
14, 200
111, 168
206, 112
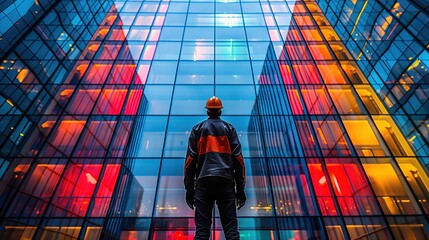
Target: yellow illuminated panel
389, 189
22, 74
370, 99
363, 137
344, 100
392, 136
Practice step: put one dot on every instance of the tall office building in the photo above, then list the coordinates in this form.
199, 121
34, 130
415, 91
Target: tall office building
97, 99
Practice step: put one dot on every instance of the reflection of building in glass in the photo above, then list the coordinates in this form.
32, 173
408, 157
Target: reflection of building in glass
390, 42
73, 124
333, 124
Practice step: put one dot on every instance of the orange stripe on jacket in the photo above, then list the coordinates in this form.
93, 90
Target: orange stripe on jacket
218, 144
241, 161
188, 161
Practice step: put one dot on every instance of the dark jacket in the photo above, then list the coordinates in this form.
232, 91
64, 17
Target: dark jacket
214, 150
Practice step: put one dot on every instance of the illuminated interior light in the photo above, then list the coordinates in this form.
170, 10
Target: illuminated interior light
412, 138
10, 102
414, 65
358, 18
167, 208
262, 208
322, 180
48, 124
66, 93
337, 185
21, 134
22, 74
90, 178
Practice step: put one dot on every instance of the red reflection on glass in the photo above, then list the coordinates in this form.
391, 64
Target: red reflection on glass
67, 133
83, 101
110, 51
96, 139
296, 51
179, 235
117, 34
133, 102
98, 73
111, 101
122, 73
351, 188
321, 188
316, 100
342, 189
105, 190
286, 74
294, 101
76, 188
306, 73
293, 36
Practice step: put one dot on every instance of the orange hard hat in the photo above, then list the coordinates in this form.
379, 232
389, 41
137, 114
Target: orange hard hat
214, 103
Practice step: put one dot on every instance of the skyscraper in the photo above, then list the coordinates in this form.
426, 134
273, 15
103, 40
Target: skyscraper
328, 97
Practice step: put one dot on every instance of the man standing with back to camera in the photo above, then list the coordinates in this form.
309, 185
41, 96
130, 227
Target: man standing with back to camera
214, 160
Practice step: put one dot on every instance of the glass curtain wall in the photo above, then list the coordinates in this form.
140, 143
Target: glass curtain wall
97, 103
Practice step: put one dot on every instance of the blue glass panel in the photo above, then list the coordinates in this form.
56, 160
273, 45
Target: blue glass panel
195, 72
191, 99
233, 72
162, 72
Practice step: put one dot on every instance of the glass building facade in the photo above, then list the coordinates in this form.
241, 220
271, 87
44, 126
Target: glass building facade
330, 100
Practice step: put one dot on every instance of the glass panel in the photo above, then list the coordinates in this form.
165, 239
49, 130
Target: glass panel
345, 100
150, 142
291, 188
364, 137
391, 190
143, 181
171, 193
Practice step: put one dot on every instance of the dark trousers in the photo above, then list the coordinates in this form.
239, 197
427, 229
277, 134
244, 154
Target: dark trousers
222, 191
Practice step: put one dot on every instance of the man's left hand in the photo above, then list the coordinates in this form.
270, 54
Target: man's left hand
190, 198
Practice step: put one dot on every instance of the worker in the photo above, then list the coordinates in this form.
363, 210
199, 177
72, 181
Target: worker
215, 172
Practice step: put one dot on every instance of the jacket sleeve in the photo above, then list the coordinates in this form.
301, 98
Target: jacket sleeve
238, 162
191, 162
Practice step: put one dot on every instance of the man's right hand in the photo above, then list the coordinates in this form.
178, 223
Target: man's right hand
241, 199
190, 198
